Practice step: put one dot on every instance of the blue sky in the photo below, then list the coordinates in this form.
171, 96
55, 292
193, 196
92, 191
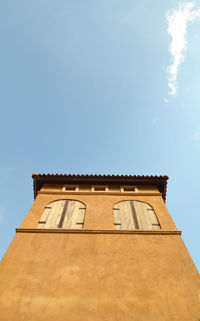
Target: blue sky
83, 90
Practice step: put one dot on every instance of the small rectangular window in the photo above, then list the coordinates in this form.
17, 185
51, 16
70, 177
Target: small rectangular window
99, 189
128, 189
70, 188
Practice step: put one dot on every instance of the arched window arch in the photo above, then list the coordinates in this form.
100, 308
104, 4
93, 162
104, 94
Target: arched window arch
135, 215
67, 214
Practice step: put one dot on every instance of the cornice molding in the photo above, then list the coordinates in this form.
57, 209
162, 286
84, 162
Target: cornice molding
101, 193
84, 231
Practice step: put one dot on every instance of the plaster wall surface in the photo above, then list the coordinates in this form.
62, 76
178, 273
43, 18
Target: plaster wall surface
91, 276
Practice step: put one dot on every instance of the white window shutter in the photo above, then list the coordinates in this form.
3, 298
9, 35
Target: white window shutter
74, 217
135, 215
117, 218
63, 214
44, 217
123, 218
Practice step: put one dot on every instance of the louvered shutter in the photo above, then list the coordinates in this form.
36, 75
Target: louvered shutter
51, 215
44, 217
153, 218
74, 217
63, 214
116, 216
123, 217
135, 215
142, 215
146, 216
126, 215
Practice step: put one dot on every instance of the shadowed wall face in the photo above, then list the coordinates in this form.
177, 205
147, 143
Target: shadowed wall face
98, 271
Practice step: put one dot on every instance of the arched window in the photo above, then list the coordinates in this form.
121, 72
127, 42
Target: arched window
135, 215
63, 214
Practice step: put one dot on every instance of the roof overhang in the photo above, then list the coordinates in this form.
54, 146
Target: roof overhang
40, 179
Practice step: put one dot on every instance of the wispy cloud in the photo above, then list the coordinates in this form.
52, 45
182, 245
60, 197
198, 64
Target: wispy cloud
178, 20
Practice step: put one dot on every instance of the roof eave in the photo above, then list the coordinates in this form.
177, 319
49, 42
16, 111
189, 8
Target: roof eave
159, 181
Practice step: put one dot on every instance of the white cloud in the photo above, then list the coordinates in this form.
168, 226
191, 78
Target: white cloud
196, 135
178, 20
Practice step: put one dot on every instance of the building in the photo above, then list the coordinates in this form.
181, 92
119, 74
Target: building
98, 248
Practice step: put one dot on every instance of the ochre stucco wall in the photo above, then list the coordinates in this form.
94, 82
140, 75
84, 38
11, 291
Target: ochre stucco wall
111, 277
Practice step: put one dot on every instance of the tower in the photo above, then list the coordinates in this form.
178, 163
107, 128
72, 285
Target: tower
98, 248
